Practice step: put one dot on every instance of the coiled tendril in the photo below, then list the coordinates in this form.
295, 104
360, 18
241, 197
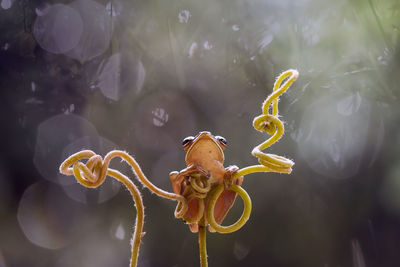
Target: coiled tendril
196, 187
94, 172
271, 124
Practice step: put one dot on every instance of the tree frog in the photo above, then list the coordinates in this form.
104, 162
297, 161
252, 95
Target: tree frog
205, 160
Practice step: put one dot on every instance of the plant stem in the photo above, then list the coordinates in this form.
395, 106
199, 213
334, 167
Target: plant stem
202, 246
138, 233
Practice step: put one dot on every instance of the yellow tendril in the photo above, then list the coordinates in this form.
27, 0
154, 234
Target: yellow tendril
198, 187
94, 172
214, 195
271, 124
201, 185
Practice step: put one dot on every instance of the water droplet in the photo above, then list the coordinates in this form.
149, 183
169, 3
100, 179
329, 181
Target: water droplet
235, 28
141, 76
6, 4
163, 108
70, 109
305, 86
33, 86
160, 117
59, 29
193, 49
207, 45
6, 46
113, 9
240, 250
265, 41
184, 16
120, 232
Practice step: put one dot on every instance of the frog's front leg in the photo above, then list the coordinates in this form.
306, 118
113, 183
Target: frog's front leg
177, 178
229, 171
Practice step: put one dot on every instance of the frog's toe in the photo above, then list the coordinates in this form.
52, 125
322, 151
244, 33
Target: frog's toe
211, 229
232, 169
194, 227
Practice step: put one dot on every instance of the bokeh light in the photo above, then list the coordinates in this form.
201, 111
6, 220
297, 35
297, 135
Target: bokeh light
58, 29
45, 217
53, 135
102, 256
6, 4
333, 140
240, 250
109, 77
97, 30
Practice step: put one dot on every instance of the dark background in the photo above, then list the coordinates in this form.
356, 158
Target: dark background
142, 75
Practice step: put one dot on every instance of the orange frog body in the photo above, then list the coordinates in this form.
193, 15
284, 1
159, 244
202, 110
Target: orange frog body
205, 167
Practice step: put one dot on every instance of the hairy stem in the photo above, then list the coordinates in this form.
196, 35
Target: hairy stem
202, 246
138, 233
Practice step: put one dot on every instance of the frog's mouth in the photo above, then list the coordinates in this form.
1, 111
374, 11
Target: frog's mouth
204, 146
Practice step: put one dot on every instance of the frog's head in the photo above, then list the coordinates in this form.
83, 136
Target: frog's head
204, 146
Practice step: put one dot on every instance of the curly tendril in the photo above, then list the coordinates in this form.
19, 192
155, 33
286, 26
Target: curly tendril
94, 172
271, 124
197, 187
214, 195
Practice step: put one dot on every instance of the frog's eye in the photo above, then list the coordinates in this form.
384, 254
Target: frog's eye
187, 141
221, 140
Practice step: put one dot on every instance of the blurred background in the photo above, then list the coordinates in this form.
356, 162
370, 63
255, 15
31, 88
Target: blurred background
142, 75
